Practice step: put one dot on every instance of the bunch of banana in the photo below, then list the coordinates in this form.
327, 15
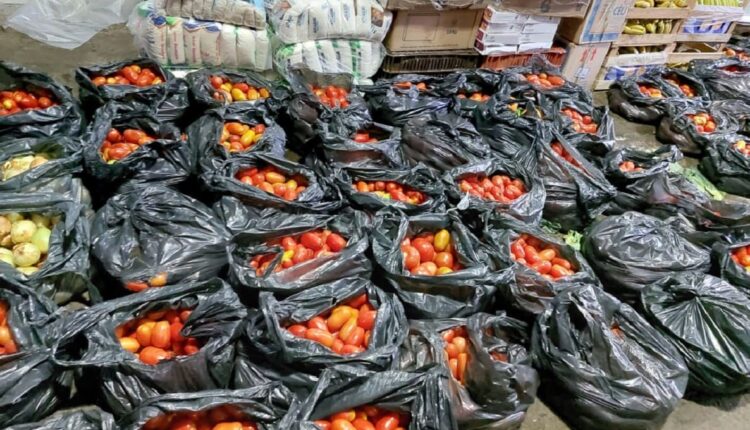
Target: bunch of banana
648, 26
674, 4
623, 50
733, 3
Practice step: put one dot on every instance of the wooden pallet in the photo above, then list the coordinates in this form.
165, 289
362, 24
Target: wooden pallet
649, 39
707, 51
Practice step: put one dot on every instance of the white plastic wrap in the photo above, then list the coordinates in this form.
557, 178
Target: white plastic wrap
174, 41
297, 21
244, 13
359, 58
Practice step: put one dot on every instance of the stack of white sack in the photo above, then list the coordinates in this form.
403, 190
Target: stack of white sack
329, 36
186, 42
245, 13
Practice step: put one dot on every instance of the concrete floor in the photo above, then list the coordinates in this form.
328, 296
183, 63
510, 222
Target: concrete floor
116, 43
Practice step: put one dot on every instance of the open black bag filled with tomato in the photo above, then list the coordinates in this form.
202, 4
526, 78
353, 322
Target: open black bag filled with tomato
540, 77
542, 265
40, 106
267, 180
121, 146
727, 163
726, 78
260, 408
476, 88
37, 164
84, 418
53, 238
368, 144
287, 253
631, 251
347, 321
442, 141
578, 118
31, 386
731, 260
390, 399
436, 266
691, 125
154, 236
226, 132
212, 88
688, 85
641, 98
625, 166
410, 190
509, 126
602, 365
138, 85
514, 188
708, 321
164, 340
492, 382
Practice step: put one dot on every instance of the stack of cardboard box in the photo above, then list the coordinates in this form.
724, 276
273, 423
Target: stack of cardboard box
505, 32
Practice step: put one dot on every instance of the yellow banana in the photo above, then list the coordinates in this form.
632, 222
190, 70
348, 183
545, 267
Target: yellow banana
650, 28
642, 3
634, 29
660, 26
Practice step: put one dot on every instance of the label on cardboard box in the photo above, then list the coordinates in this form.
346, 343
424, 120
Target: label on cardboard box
433, 30
501, 27
603, 22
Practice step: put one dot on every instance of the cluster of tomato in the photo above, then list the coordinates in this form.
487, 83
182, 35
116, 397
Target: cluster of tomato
457, 351
739, 54
649, 91
390, 190
130, 75
429, 254
273, 181
332, 96
741, 256
17, 100
300, 248
544, 80
733, 69
364, 137
686, 89
545, 259
119, 144
238, 137
477, 97
344, 330
629, 166
562, 152
224, 417
157, 281
7, 343
231, 92
157, 337
704, 123
498, 188
581, 123
365, 418
421, 86
743, 147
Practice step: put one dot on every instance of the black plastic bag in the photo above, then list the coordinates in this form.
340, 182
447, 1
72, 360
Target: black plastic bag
676, 128
254, 228
725, 78
725, 266
318, 196
605, 130
725, 166
478, 81
168, 100
517, 84
442, 141
339, 145
64, 276
531, 292
527, 208
708, 322
418, 178
202, 92
650, 163
263, 405
461, 293
85, 418
496, 392
507, 125
633, 250
603, 365
274, 343
626, 99
395, 102
737, 110
421, 393
681, 81
63, 159
205, 135
149, 233
63, 119
85, 340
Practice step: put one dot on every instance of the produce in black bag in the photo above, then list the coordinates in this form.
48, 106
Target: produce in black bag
49, 237
86, 418
541, 264
215, 136
737, 110
641, 98
509, 126
624, 166
45, 108
603, 365
476, 88
257, 179
442, 141
440, 291
212, 88
164, 340
371, 144
726, 78
691, 125
31, 164
731, 261
407, 97
154, 236
708, 322
467, 188
633, 250
138, 85
689, 85
390, 399
259, 408
348, 321
492, 381
727, 163
542, 78
410, 190
574, 118
287, 253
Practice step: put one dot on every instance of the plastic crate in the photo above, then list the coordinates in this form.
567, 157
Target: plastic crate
435, 62
554, 56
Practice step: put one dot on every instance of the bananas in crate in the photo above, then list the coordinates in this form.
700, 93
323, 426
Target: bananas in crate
674, 4
624, 50
648, 26
732, 3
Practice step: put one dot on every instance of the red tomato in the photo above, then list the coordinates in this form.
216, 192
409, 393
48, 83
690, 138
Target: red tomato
412, 257
425, 249
388, 422
335, 242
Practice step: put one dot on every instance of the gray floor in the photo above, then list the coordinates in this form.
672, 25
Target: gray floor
116, 43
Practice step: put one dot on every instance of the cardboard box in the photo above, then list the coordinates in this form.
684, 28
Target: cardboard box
433, 30
582, 62
546, 7
603, 22
501, 27
437, 4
